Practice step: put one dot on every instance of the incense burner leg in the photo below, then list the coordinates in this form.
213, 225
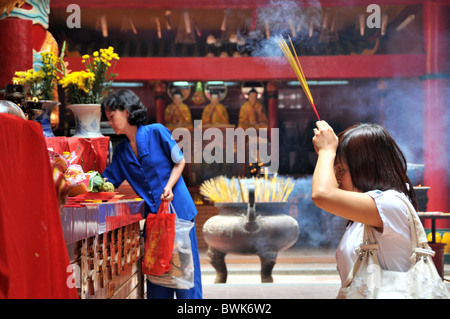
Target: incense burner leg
268, 261
217, 260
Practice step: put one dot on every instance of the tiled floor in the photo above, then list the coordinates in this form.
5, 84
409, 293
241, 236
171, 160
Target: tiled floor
299, 274
285, 287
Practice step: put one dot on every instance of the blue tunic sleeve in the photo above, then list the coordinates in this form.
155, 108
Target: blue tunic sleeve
114, 172
169, 144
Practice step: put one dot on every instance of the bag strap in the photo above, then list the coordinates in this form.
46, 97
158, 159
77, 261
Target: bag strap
163, 207
418, 237
172, 209
421, 247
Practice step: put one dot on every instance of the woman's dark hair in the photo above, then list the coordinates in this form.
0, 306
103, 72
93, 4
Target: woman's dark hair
374, 160
127, 100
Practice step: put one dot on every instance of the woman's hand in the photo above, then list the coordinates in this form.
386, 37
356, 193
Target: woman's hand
167, 194
324, 138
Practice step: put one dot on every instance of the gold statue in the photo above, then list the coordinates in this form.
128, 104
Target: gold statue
215, 113
177, 113
253, 113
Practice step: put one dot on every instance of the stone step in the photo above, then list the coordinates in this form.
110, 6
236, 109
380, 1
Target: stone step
294, 255
279, 269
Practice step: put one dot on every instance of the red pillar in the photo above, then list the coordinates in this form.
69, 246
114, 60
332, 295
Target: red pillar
160, 105
16, 48
272, 105
436, 106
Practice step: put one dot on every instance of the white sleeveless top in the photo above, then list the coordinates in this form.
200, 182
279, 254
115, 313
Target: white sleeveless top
394, 243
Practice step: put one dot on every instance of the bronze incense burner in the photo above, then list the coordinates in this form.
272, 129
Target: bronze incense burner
250, 228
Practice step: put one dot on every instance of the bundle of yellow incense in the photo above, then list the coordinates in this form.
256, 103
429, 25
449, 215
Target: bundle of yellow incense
296, 67
225, 190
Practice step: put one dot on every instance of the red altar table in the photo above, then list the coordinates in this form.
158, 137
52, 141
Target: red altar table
92, 154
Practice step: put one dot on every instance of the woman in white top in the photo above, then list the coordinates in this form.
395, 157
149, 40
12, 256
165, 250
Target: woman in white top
357, 177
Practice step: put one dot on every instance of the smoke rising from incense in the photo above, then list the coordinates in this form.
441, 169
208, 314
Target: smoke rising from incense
280, 17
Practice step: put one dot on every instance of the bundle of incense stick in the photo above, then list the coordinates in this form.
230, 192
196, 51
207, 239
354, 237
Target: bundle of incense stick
224, 190
296, 66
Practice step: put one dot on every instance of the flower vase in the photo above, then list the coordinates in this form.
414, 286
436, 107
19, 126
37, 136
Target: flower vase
44, 117
87, 120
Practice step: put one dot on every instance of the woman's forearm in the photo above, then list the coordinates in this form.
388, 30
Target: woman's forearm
175, 174
324, 179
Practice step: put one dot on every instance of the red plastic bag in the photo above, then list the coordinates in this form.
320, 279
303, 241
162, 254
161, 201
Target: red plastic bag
160, 236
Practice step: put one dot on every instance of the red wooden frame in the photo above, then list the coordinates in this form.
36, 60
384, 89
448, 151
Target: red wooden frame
220, 4
247, 68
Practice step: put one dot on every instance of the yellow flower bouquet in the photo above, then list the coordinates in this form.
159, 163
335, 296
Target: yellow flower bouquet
91, 85
40, 83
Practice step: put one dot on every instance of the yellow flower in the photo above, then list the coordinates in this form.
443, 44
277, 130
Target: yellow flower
90, 84
40, 83
20, 74
29, 76
39, 74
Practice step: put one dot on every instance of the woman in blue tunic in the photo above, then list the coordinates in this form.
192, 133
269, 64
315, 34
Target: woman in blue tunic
152, 163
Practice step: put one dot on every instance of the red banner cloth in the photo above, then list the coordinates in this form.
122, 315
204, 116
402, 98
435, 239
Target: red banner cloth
92, 153
34, 261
